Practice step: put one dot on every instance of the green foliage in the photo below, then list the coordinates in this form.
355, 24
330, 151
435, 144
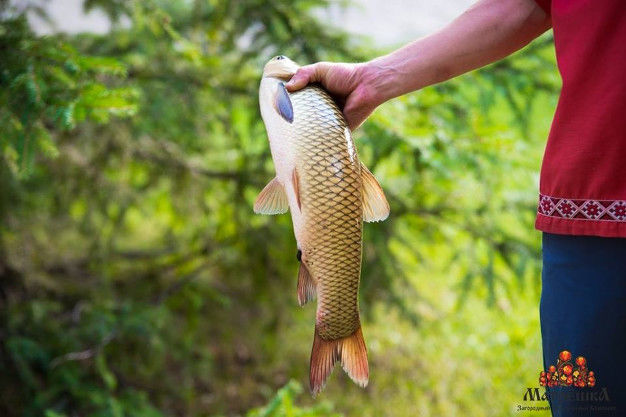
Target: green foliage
135, 279
282, 405
459, 160
48, 85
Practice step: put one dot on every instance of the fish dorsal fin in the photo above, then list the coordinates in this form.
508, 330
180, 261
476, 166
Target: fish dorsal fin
296, 186
272, 199
282, 103
375, 205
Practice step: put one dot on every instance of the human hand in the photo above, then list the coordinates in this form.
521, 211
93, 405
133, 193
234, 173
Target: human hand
347, 83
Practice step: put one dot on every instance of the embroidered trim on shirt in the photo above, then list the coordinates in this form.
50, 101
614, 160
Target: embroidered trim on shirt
564, 208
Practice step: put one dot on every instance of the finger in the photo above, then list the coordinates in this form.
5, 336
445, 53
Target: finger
301, 78
306, 75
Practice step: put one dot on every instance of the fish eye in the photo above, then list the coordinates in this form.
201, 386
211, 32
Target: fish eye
279, 57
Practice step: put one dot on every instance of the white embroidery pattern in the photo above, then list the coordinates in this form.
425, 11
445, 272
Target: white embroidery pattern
566, 208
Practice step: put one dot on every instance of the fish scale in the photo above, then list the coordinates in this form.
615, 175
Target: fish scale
330, 194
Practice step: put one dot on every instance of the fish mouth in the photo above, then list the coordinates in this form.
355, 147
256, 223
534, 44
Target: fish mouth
280, 67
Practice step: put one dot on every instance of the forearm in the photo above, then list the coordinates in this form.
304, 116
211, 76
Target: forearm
487, 32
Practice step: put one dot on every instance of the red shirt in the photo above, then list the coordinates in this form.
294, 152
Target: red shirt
583, 176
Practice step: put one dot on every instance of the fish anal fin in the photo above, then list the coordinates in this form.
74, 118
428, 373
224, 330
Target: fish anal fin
307, 290
296, 186
375, 205
282, 103
272, 199
350, 351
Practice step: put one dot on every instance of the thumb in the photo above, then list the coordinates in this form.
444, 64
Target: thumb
356, 111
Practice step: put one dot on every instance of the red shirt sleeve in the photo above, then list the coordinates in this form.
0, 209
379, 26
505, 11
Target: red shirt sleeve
545, 5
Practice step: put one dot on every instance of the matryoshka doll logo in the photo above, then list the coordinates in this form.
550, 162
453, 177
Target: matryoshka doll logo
567, 373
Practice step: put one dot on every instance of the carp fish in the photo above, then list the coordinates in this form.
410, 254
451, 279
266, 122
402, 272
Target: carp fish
329, 192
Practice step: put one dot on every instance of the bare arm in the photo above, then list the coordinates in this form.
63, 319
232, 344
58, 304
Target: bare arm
486, 32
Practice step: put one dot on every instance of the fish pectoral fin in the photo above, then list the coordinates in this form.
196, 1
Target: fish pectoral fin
282, 103
375, 205
307, 289
350, 351
272, 199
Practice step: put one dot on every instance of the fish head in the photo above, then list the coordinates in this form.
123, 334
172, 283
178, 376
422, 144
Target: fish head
280, 67
273, 96
277, 112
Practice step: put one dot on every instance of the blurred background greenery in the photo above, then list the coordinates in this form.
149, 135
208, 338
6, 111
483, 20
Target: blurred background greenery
136, 281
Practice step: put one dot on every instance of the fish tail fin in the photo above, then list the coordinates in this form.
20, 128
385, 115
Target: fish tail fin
306, 286
354, 358
350, 351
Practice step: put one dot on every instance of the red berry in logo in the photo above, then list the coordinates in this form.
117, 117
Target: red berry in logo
580, 361
567, 369
591, 374
552, 368
565, 356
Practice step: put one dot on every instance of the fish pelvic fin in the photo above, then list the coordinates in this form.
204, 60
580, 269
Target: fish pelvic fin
375, 205
272, 199
295, 180
307, 289
350, 351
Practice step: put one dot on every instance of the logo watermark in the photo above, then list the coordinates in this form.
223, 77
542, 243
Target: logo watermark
569, 382
566, 373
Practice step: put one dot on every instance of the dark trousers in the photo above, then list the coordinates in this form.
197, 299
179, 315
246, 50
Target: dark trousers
583, 311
